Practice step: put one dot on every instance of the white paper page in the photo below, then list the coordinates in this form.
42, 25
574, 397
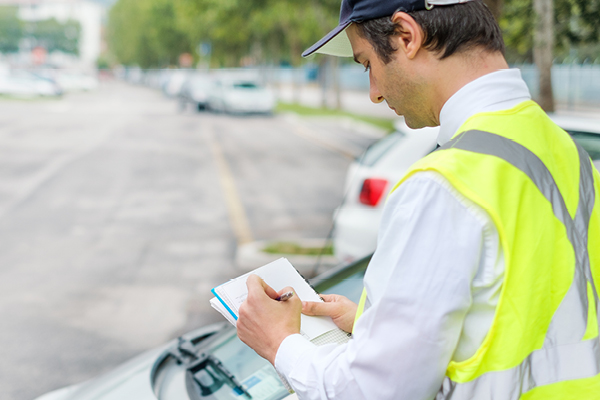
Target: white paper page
278, 275
216, 304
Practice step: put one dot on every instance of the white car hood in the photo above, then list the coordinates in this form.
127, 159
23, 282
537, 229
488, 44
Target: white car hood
129, 381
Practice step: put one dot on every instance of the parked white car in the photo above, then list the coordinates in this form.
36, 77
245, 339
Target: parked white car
368, 182
20, 83
240, 96
374, 174
72, 81
585, 131
174, 82
195, 91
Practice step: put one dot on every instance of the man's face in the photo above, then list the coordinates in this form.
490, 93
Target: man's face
393, 82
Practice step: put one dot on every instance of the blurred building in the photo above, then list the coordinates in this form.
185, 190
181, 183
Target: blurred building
90, 15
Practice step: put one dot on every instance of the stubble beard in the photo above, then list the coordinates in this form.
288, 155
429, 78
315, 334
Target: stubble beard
409, 100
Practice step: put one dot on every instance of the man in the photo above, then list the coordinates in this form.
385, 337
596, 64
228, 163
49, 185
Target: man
482, 284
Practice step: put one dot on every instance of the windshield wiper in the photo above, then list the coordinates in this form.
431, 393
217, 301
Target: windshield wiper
205, 367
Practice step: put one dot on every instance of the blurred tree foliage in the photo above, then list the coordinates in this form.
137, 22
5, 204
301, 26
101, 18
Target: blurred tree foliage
10, 30
146, 33
256, 31
53, 35
50, 34
496, 7
152, 33
577, 26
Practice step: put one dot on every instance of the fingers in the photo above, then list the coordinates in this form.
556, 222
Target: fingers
329, 297
255, 285
318, 308
286, 289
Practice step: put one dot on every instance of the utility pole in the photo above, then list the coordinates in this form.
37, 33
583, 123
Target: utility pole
543, 47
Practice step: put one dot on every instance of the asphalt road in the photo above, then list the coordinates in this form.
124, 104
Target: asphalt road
115, 220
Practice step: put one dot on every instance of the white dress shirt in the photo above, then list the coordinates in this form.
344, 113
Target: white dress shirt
433, 282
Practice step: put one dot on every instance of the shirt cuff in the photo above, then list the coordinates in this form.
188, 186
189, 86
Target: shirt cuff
290, 350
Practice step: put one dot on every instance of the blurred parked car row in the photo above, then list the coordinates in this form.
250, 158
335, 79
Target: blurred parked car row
43, 82
371, 177
231, 92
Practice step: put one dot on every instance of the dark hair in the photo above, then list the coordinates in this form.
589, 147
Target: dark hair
448, 30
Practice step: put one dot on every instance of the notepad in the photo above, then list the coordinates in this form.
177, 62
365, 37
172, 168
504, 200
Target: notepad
278, 274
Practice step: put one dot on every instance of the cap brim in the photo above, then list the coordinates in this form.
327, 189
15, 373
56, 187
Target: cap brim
335, 43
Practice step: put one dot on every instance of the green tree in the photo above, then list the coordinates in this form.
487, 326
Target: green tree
125, 30
54, 36
154, 32
541, 30
10, 29
266, 30
576, 24
146, 33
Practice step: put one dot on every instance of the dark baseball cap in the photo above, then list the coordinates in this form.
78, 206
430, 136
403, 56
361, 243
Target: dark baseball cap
336, 42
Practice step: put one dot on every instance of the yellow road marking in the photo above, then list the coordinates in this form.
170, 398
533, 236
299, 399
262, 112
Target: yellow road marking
235, 208
306, 134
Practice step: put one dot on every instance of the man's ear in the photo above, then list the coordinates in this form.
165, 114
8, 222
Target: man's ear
410, 36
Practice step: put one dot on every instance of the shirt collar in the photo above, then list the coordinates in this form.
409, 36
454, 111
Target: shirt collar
499, 90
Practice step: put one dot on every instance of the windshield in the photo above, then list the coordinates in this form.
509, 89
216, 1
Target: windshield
256, 374
379, 148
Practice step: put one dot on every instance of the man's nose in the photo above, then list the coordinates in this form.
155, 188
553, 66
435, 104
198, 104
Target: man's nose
374, 94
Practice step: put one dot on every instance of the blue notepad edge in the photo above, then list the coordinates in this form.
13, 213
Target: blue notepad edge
222, 302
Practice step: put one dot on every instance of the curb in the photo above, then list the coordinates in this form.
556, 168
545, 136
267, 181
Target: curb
250, 256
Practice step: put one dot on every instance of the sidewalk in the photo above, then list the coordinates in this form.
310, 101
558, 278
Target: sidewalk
352, 101
358, 102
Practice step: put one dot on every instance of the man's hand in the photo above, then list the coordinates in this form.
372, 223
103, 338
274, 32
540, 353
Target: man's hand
339, 308
264, 322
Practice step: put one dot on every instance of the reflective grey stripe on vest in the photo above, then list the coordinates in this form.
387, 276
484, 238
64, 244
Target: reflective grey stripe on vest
564, 356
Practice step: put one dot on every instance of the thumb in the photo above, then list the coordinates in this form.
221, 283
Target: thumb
318, 308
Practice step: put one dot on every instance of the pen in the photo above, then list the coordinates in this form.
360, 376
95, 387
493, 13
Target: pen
285, 296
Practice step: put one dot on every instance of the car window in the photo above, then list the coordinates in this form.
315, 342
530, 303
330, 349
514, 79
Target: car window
379, 148
589, 141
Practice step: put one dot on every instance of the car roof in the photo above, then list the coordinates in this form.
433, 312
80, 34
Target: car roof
577, 123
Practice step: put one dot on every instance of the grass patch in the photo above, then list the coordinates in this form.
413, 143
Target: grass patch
295, 249
387, 124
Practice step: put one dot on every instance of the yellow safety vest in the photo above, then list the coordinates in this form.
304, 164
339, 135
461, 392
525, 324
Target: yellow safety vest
543, 194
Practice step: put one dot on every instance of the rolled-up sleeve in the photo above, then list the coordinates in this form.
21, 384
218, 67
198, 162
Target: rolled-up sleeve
419, 285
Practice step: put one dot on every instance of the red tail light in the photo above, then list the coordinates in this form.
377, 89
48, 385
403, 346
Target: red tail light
372, 190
